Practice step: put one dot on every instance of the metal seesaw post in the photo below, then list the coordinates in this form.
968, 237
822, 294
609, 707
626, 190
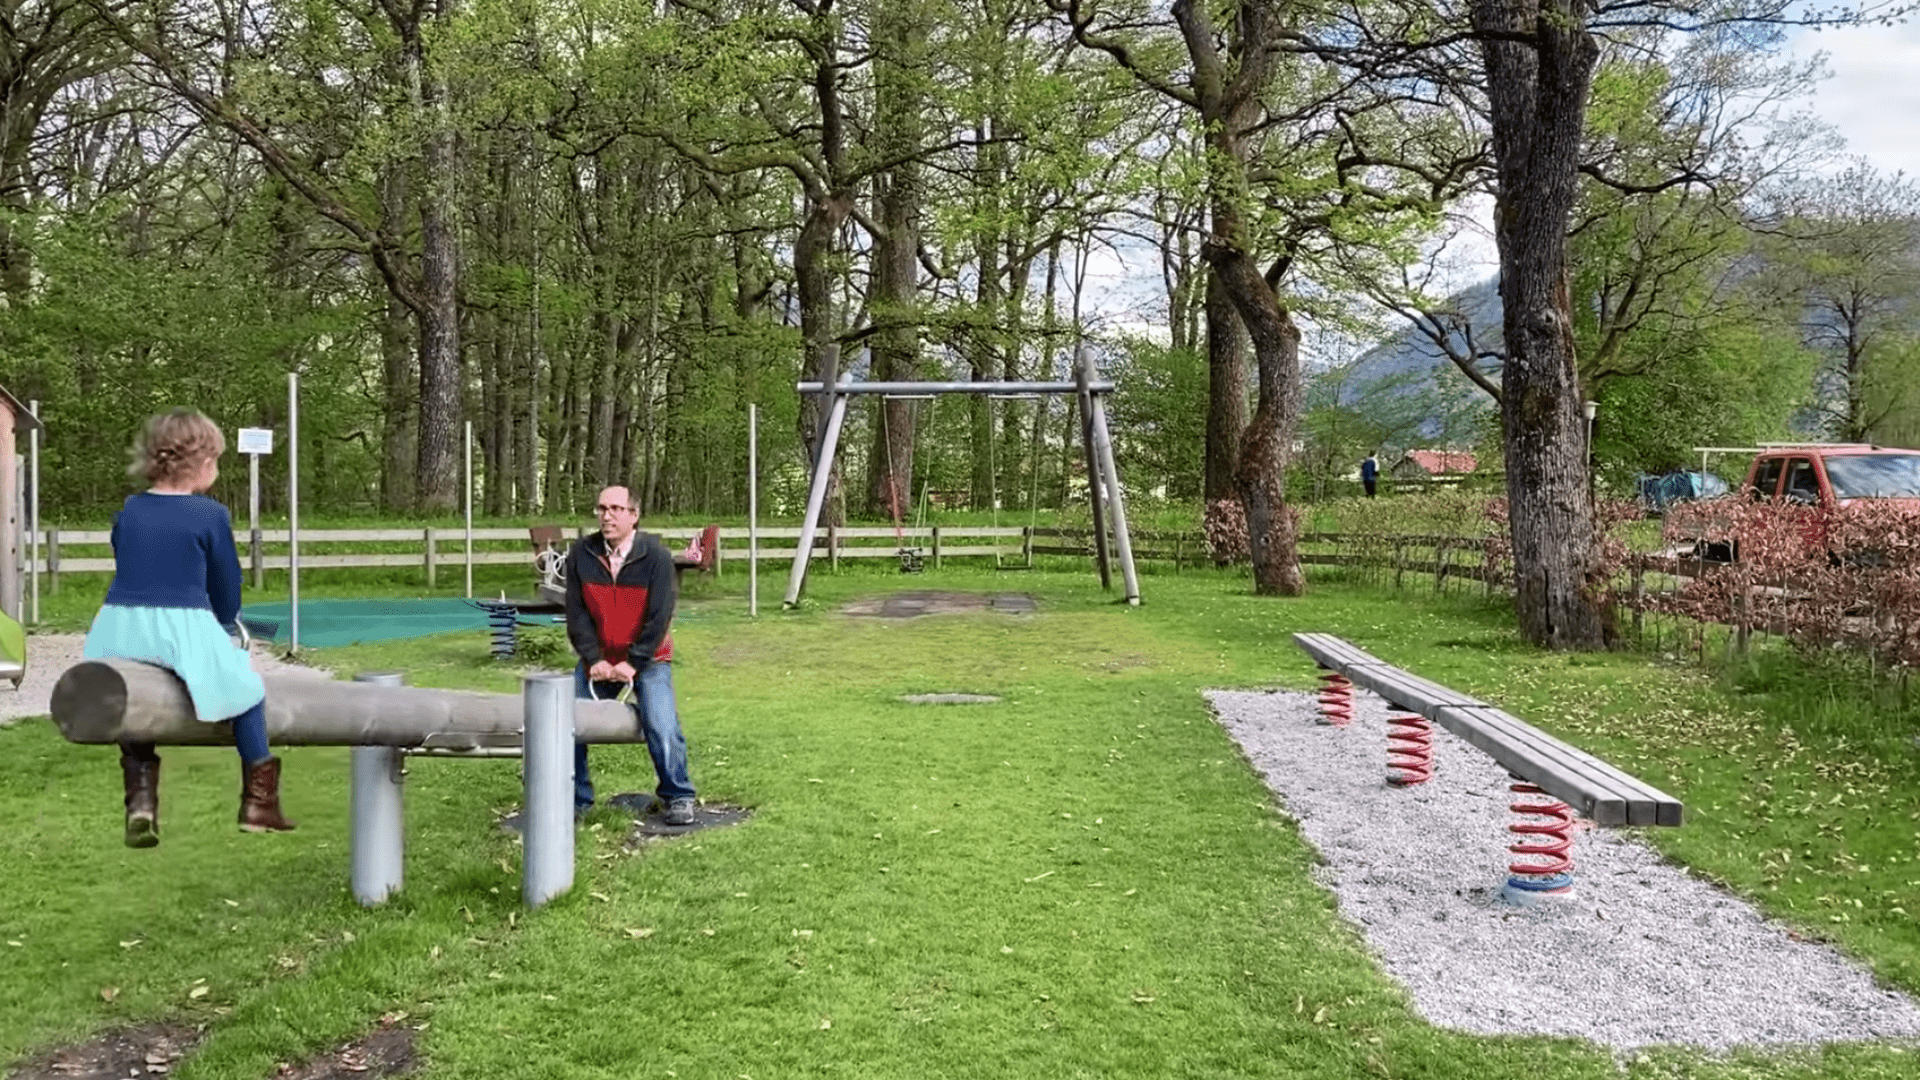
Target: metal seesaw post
547, 768
377, 819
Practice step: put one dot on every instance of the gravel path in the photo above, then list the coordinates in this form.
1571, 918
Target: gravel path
1643, 953
49, 655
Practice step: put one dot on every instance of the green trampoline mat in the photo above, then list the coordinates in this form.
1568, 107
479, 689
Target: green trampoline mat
327, 623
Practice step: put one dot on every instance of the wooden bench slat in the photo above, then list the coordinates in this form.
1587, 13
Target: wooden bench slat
1410, 691
1546, 763
1520, 729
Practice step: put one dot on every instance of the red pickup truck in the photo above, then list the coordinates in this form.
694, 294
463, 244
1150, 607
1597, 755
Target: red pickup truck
1831, 477
1835, 474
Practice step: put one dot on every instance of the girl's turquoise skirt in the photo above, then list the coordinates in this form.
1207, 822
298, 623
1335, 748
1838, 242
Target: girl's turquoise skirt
218, 673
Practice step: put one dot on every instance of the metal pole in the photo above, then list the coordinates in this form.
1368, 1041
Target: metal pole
293, 511
547, 769
469, 509
1123, 544
33, 512
377, 818
816, 498
1083, 371
253, 522
753, 510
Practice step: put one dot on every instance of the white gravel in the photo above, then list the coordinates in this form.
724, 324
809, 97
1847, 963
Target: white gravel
1642, 954
49, 655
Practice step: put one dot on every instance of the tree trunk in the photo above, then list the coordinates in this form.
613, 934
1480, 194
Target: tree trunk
1537, 92
1261, 478
400, 376
440, 375
1226, 390
441, 379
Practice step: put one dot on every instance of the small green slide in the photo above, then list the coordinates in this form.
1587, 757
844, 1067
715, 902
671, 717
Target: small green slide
13, 649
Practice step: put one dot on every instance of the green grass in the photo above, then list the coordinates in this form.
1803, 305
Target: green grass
1085, 880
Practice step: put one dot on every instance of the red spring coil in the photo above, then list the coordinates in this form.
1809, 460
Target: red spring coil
1548, 841
1336, 699
1409, 750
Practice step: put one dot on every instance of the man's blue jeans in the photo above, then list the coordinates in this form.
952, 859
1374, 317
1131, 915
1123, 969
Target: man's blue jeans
659, 719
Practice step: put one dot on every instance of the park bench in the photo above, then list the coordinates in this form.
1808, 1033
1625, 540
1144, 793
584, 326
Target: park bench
1601, 792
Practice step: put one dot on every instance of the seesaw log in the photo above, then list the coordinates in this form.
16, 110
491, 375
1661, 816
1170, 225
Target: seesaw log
115, 701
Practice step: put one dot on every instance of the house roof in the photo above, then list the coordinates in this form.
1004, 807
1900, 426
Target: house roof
23, 420
1442, 462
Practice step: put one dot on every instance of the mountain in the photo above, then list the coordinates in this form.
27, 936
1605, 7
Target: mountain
1407, 383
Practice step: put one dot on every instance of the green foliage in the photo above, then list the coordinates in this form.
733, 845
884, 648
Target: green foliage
1163, 413
543, 647
108, 338
1724, 385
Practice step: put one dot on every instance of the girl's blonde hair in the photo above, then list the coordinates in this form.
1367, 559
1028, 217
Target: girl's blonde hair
171, 446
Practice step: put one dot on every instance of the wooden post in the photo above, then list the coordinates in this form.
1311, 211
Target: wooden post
936, 547
1026, 544
427, 537
53, 561
1639, 596
1082, 378
833, 548
1742, 601
10, 538
253, 522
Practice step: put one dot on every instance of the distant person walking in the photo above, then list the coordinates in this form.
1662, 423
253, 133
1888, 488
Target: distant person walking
1370, 475
176, 587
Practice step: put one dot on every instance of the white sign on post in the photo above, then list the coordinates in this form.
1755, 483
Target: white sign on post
253, 442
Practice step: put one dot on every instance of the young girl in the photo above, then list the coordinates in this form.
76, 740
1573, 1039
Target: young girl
176, 586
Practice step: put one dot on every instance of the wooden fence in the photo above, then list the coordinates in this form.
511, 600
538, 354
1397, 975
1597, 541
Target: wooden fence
437, 549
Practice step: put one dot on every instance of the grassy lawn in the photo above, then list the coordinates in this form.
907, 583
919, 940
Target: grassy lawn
1084, 880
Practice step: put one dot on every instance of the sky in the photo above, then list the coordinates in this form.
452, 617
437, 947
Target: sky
1873, 98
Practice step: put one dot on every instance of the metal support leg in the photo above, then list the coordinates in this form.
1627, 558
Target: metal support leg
1116, 503
377, 817
816, 498
547, 863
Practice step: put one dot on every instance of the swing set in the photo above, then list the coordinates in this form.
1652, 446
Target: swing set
912, 560
1104, 480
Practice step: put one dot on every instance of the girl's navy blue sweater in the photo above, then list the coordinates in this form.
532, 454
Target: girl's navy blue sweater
175, 551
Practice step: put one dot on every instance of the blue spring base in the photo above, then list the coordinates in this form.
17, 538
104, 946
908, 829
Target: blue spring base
1530, 891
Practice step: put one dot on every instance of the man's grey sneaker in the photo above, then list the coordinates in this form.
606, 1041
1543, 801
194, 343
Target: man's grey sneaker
680, 812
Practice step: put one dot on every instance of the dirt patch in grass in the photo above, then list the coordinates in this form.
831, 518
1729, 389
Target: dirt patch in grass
153, 1050
650, 822
740, 654
386, 1051
906, 605
146, 1050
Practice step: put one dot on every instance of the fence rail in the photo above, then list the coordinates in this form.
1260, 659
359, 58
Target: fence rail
445, 548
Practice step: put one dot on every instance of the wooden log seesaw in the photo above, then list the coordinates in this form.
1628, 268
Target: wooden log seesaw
119, 701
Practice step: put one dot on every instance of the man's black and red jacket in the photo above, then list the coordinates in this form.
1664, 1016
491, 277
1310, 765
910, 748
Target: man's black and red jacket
624, 619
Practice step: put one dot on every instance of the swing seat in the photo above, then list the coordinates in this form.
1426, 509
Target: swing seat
910, 561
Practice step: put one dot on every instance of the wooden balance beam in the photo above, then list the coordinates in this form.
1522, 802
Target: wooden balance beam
114, 701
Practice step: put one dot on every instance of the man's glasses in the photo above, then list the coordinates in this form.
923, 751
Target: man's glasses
604, 510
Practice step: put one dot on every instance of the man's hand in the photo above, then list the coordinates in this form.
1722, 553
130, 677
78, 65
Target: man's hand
601, 671
624, 672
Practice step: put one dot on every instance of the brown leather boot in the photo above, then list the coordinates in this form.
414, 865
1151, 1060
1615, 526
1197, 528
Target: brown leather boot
142, 779
260, 798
